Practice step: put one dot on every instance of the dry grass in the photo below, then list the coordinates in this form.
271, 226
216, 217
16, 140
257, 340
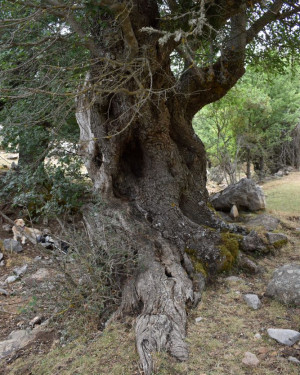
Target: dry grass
283, 195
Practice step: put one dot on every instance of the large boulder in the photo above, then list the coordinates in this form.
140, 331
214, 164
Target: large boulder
285, 284
245, 194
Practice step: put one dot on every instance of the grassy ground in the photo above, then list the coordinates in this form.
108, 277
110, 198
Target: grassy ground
283, 195
218, 342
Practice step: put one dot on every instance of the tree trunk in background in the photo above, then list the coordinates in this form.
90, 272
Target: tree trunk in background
248, 163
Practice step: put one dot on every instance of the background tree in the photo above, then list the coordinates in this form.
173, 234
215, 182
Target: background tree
135, 117
253, 123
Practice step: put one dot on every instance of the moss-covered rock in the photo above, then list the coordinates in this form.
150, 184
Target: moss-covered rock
229, 249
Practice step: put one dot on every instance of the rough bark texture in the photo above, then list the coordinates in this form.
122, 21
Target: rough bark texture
142, 154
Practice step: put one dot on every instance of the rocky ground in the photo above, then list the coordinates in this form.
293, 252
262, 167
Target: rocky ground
225, 334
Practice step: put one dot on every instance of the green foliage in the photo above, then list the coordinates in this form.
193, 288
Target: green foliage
252, 120
46, 191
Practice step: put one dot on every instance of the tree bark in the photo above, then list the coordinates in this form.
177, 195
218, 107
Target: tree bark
157, 168
145, 159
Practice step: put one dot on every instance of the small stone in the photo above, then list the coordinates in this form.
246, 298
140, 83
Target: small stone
20, 271
252, 301
257, 336
284, 336
2, 263
1, 256
3, 292
37, 258
11, 279
294, 359
197, 320
250, 359
234, 212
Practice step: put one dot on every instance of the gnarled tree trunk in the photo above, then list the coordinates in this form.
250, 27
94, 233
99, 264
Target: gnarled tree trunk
142, 153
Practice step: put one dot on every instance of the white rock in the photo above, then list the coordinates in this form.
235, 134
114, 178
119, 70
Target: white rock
258, 336
19, 271
234, 212
1, 256
250, 359
284, 336
293, 359
11, 279
197, 320
252, 301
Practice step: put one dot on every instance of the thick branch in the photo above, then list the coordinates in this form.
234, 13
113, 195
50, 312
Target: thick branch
202, 86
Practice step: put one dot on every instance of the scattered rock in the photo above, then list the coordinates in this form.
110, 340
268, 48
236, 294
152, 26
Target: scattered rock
3, 292
1, 256
197, 320
285, 284
252, 301
284, 336
248, 265
258, 336
280, 173
2, 263
12, 245
11, 279
253, 242
277, 238
6, 227
294, 359
244, 194
234, 212
20, 271
250, 359
265, 221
